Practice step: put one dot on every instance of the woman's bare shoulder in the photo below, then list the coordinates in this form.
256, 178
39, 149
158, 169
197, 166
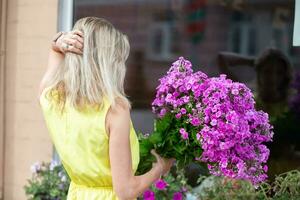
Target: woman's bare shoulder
120, 107
118, 116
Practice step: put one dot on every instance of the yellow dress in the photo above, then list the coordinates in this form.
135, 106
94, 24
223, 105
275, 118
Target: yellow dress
81, 142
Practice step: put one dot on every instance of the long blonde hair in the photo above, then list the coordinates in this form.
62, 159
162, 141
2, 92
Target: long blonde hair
97, 74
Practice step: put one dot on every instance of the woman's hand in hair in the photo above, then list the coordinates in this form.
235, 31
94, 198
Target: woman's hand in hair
71, 41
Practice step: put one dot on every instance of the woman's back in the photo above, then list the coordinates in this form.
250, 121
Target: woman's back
82, 143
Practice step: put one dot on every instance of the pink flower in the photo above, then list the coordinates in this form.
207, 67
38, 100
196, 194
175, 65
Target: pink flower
184, 134
265, 168
163, 112
218, 114
160, 184
149, 195
195, 121
235, 91
177, 196
198, 136
178, 115
183, 111
213, 122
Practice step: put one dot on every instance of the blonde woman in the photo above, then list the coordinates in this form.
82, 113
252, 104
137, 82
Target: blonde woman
88, 115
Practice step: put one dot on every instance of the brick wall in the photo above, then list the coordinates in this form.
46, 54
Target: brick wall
29, 29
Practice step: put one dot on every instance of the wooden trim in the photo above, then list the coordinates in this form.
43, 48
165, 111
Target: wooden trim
3, 17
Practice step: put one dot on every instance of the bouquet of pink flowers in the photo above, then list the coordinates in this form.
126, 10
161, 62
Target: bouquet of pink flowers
208, 120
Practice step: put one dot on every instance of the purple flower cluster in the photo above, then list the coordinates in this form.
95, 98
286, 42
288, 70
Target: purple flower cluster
233, 131
228, 128
177, 93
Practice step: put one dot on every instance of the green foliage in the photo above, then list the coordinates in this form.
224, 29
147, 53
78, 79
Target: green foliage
285, 187
48, 182
167, 142
221, 188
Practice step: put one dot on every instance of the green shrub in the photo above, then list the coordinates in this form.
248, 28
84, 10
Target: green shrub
49, 181
286, 186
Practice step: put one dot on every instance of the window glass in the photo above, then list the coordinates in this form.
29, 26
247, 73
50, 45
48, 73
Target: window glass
205, 31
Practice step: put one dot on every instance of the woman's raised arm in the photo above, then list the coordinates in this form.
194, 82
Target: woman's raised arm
62, 42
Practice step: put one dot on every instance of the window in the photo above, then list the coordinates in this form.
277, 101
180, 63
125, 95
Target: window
242, 38
161, 44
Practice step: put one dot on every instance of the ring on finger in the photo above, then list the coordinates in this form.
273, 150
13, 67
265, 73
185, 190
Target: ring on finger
66, 46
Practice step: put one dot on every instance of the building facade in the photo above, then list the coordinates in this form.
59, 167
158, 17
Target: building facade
26, 31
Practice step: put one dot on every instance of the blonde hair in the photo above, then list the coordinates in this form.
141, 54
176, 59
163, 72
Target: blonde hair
97, 74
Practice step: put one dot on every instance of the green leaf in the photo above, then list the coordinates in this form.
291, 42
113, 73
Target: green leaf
161, 125
155, 138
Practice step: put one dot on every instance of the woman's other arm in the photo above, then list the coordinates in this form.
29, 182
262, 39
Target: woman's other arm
126, 185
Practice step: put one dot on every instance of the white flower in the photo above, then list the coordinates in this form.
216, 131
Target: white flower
53, 164
63, 178
60, 174
36, 167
